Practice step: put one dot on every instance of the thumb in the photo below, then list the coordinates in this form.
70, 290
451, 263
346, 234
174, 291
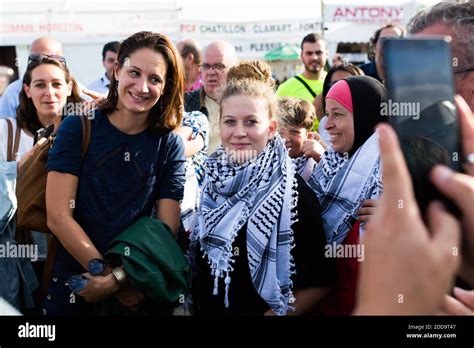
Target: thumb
311, 136
446, 234
465, 296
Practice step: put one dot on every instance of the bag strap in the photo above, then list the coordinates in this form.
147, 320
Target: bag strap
161, 159
54, 242
17, 142
12, 148
306, 85
10, 140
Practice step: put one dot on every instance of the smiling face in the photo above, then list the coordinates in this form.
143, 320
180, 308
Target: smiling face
340, 126
245, 125
48, 90
141, 81
294, 139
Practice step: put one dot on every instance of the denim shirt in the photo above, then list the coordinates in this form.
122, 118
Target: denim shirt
13, 271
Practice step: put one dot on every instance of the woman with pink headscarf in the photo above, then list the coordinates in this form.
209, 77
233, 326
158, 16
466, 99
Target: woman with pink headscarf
349, 172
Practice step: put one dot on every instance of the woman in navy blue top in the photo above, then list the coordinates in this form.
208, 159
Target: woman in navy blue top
92, 200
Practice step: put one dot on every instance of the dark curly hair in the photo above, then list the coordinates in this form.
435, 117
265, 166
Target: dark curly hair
166, 114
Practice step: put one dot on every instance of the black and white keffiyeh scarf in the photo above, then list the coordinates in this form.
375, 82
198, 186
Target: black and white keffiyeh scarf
261, 194
342, 184
304, 166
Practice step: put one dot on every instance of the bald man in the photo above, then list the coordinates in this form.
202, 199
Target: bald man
190, 52
218, 57
10, 99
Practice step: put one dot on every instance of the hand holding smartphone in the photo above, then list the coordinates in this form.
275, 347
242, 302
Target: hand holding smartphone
420, 85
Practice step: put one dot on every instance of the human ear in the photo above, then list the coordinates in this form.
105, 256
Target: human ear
272, 128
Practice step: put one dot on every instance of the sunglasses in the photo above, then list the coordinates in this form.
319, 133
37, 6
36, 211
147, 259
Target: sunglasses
37, 57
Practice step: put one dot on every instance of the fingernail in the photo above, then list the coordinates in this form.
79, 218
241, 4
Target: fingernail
380, 131
441, 173
461, 291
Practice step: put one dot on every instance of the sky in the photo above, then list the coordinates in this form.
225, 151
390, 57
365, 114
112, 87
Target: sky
248, 10
219, 10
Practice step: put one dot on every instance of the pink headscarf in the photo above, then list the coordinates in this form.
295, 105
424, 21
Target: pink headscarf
341, 93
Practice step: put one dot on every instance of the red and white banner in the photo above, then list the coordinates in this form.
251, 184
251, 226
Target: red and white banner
363, 14
87, 22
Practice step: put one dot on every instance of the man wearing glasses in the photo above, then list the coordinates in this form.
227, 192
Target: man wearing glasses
457, 21
10, 100
218, 57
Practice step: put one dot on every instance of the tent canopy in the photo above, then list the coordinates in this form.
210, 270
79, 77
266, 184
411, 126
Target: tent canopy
285, 52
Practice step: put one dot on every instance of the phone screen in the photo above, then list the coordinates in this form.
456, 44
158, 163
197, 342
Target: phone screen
420, 107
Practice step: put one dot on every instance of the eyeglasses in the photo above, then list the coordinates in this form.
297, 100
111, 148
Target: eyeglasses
217, 66
37, 57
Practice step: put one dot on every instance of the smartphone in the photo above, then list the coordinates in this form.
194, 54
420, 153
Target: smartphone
420, 107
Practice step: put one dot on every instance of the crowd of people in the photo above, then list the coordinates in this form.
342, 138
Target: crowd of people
231, 189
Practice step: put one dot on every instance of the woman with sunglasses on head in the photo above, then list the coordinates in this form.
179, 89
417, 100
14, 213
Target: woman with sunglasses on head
258, 246
47, 87
122, 177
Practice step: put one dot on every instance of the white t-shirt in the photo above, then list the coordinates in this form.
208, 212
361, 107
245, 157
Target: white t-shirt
26, 141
